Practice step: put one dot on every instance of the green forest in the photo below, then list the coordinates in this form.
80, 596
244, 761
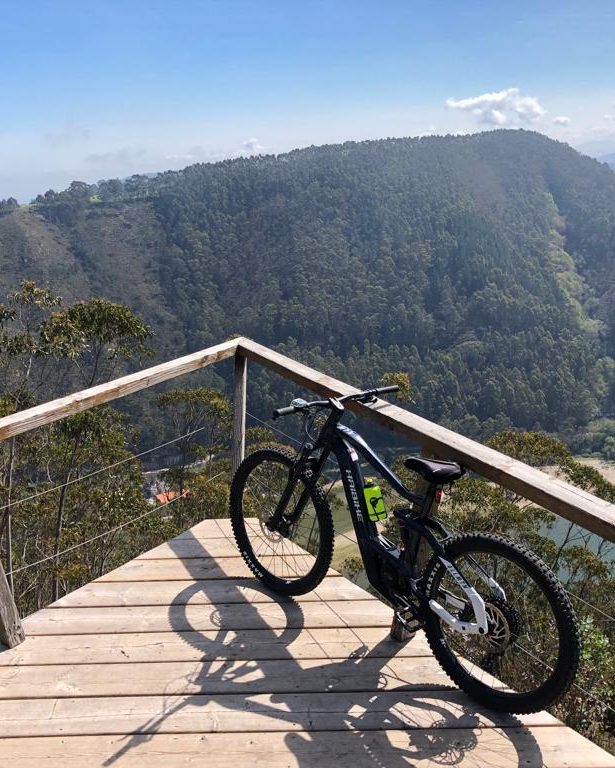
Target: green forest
481, 265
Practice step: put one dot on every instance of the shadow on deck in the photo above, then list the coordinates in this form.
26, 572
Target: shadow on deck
180, 658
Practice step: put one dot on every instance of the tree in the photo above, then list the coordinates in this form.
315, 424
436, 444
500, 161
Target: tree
45, 344
9, 205
96, 336
202, 419
22, 346
79, 509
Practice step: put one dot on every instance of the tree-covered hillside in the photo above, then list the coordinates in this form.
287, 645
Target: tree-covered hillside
484, 265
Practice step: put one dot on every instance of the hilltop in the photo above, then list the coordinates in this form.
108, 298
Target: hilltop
484, 265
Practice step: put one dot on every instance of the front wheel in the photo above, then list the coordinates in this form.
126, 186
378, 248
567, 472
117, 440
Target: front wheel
293, 558
529, 656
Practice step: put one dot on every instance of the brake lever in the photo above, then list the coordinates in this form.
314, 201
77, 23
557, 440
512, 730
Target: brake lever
367, 399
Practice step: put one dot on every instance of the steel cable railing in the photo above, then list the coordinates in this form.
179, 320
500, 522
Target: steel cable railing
110, 531
79, 479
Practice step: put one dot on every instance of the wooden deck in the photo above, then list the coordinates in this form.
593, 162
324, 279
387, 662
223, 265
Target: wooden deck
179, 658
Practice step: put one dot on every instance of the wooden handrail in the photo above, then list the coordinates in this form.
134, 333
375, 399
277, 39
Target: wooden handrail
576, 505
552, 493
54, 410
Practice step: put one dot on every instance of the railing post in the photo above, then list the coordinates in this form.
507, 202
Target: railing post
239, 417
11, 631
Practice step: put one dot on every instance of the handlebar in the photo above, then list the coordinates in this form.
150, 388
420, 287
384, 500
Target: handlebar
367, 396
283, 411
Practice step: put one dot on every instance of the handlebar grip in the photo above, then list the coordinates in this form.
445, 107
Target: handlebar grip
390, 388
283, 412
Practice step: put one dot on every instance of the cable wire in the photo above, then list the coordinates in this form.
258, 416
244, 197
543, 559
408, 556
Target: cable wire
589, 605
106, 533
272, 428
99, 471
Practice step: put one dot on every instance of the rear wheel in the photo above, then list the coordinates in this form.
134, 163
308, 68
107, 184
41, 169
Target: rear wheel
529, 656
294, 558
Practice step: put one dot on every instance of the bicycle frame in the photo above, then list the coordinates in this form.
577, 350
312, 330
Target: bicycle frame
391, 572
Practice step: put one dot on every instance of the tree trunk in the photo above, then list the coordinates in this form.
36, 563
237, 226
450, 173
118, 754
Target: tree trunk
60, 517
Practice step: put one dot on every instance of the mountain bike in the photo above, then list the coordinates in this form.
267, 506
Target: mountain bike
496, 618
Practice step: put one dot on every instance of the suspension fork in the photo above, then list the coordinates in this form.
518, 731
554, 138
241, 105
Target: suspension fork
312, 471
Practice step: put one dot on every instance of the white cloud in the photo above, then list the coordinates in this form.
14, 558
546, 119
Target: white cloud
561, 120
609, 118
507, 107
251, 147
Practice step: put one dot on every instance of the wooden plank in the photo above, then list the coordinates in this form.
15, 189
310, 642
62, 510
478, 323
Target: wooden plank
47, 413
180, 570
239, 413
247, 677
216, 528
470, 748
207, 530
186, 549
203, 592
181, 618
330, 643
11, 629
236, 713
552, 493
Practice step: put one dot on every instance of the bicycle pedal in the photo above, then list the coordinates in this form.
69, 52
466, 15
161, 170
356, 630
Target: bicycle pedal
403, 630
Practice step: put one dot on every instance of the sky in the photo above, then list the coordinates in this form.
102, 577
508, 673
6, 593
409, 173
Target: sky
95, 90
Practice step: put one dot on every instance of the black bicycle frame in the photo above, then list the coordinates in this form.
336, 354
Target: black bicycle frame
385, 569
394, 573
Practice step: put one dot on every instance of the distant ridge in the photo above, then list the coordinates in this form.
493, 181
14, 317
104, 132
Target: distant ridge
484, 265
610, 159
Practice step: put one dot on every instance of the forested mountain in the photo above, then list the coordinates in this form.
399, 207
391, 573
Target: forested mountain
610, 159
483, 265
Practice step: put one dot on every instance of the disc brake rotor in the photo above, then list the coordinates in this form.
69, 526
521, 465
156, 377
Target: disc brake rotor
503, 624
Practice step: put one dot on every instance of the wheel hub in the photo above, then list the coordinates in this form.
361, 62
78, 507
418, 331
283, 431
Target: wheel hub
503, 624
279, 530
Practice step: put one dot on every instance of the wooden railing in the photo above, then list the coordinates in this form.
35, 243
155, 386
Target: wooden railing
574, 504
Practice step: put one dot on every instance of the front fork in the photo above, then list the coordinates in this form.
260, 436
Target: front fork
280, 522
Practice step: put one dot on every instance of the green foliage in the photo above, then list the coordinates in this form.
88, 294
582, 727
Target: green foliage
402, 380
202, 419
9, 205
46, 347
351, 567
96, 334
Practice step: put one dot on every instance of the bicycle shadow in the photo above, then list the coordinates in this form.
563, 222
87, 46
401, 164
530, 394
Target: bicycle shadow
382, 724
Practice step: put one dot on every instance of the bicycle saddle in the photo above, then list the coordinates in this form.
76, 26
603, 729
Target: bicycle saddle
435, 471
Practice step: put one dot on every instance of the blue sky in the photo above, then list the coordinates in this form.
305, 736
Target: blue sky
96, 90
